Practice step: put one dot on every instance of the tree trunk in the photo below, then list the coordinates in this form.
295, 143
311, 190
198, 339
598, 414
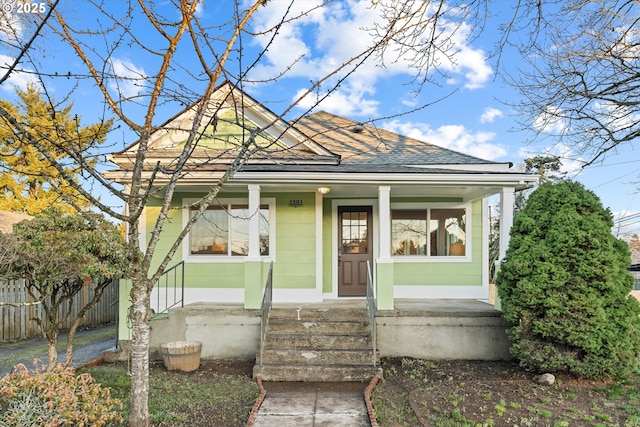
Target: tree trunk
72, 334
52, 346
140, 315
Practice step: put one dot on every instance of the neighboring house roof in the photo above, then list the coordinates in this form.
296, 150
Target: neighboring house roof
8, 219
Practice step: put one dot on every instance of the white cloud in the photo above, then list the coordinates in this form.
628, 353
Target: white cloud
454, 137
571, 163
345, 101
550, 121
490, 114
625, 224
129, 79
11, 24
18, 80
326, 37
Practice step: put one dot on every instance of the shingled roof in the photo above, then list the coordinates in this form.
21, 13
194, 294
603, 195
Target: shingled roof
319, 142
366, 148
366, 144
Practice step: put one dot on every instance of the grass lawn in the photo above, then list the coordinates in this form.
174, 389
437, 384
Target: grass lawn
219, 393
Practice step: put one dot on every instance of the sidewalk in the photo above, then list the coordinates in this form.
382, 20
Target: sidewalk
313, 405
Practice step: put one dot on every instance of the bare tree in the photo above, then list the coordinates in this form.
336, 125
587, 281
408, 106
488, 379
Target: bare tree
189, 57
581, 85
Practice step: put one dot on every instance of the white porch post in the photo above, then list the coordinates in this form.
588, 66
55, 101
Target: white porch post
384, 215
506, 222
252, 265
384, 263
506, 219
254, 222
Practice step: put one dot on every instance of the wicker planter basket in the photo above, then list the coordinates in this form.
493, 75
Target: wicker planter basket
181, 355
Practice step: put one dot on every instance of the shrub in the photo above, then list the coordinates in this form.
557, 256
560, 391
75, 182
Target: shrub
56, 398
564, 284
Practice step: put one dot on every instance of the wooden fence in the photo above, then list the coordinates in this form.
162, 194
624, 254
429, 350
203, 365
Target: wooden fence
16, 322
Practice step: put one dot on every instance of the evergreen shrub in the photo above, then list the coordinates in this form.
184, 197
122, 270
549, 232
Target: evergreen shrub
564, 285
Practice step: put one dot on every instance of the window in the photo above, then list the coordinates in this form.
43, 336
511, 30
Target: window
224, 230
445, 228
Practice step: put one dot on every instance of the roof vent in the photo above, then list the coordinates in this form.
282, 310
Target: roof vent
357, 129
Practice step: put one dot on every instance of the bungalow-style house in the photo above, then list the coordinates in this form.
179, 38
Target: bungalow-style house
322, 199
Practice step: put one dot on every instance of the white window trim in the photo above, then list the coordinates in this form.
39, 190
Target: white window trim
211, 258
437, 259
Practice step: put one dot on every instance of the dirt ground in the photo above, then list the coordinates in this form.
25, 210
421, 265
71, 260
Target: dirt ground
497, 393
417, 393
428, 393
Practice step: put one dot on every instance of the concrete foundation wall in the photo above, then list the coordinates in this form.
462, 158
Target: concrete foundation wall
226, 332
468, 330
465, 338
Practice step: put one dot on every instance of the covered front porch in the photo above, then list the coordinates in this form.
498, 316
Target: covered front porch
421, 328
321, 243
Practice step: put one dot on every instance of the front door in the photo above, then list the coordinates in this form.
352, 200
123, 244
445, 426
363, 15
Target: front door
355, 248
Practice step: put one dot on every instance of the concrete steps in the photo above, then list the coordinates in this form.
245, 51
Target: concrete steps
317, 345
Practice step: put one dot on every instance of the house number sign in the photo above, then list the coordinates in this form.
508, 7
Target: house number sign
295, 203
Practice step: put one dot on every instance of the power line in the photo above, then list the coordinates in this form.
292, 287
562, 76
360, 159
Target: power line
627, 218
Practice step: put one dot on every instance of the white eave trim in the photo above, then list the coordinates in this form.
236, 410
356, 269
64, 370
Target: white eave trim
483, 179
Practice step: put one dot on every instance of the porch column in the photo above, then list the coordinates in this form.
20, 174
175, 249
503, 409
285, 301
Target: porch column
254, 222
506, 222
384, 207
384, 263
506, 219
253, 264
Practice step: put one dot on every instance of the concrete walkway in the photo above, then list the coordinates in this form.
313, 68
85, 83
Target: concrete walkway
89, 345
313, 405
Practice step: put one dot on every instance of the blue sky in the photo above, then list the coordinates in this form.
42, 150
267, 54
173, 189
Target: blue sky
474, 117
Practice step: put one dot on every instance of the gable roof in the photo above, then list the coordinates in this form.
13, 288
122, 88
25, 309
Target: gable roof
231, 117
317, 143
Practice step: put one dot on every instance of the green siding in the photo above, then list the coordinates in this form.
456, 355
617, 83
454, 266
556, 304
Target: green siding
171, 229
214, 275
326, 247
294, 242
295, 266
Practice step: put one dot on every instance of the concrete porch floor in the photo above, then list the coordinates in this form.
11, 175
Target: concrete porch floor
402, 306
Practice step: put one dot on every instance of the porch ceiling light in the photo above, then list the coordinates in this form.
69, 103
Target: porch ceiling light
324, 190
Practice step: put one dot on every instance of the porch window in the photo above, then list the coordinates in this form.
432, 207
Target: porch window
224, 230
445, 228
